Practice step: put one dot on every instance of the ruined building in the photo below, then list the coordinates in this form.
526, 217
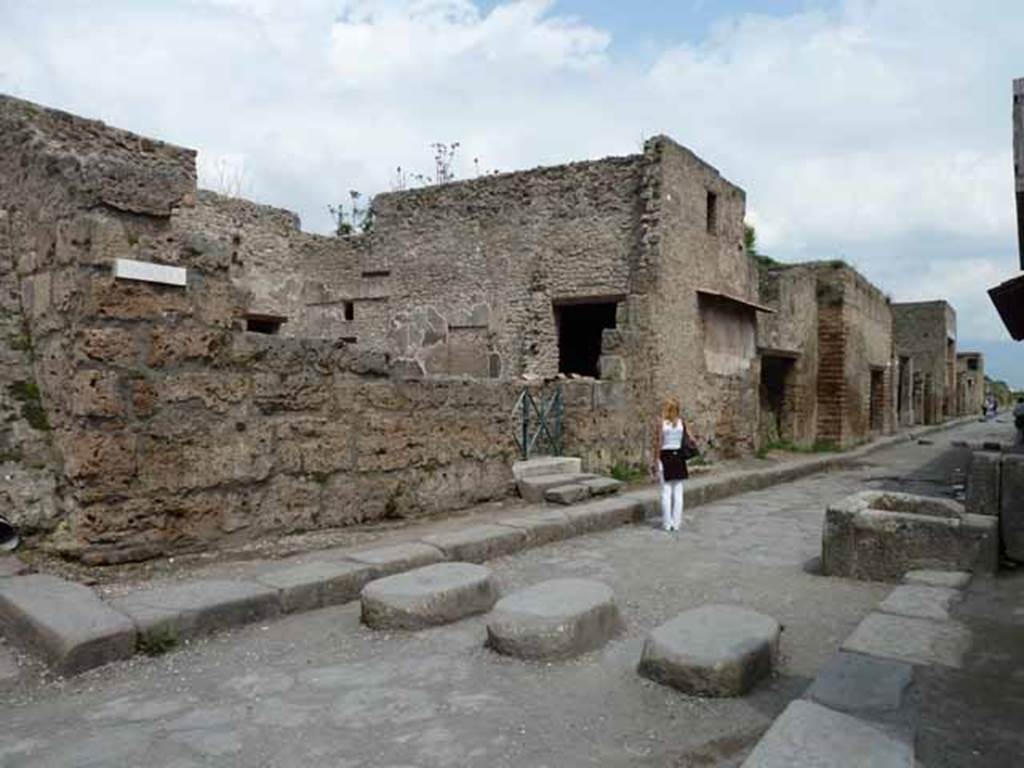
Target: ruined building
970, 383
182, 368
826, 356
925, 342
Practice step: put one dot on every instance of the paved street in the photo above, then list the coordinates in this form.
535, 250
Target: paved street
318, 689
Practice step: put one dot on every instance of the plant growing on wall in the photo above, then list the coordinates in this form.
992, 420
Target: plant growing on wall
352, 219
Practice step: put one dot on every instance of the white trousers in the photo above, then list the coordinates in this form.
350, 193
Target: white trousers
671, 504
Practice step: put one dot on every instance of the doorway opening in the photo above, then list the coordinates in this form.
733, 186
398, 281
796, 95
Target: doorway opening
580, 325
876, 407
776, 399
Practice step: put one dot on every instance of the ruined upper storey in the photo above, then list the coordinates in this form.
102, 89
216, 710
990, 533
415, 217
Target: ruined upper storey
90, 164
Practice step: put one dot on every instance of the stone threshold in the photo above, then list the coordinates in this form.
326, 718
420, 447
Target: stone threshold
159, 615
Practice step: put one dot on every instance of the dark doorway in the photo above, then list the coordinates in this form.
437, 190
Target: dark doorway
876, 408
776, 399
580, 326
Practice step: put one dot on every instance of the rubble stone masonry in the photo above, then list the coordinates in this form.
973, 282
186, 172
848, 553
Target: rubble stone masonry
925, 332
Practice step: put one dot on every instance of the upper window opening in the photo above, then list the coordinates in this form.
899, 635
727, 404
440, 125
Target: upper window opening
580, 327
266, 324
712, 212
350, 310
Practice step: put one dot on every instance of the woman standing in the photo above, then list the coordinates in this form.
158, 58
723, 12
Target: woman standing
670, 466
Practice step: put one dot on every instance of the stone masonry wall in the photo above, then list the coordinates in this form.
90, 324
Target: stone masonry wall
922, 331
722, 404
477, 266
970, 383
793, 331
171, 427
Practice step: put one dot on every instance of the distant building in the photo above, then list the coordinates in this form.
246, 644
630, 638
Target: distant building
924, 336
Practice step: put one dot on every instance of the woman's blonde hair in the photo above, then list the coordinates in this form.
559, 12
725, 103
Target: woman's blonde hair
670, 410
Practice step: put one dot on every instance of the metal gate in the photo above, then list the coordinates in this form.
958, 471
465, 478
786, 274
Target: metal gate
537, 422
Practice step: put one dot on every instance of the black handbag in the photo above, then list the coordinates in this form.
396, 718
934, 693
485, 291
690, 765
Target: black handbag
689, 447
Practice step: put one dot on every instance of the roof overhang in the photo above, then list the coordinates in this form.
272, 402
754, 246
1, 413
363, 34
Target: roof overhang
1009, 300
735, 300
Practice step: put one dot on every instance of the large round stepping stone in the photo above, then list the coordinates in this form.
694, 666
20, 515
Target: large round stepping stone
555, 619
714, 650
429, 596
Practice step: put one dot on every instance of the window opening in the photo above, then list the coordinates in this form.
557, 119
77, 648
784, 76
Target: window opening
265, 324
712, 212
350, 310
580, 328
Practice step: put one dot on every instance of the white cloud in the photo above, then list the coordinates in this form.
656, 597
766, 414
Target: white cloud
876, 130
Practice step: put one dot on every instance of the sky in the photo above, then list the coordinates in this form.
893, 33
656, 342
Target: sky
875, 131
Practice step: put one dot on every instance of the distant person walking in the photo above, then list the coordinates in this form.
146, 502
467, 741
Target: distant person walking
672, 443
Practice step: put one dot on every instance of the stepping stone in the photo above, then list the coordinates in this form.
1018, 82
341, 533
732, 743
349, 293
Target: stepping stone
429, 596
903, 638
66, 623
168, 613
478, 542
397, 558
950, 579
921, 601
308, 586
861, 685
566, 494
555, 619
807, 735
10, 672
714, 650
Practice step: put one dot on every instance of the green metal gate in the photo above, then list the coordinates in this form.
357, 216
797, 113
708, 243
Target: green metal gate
537, 420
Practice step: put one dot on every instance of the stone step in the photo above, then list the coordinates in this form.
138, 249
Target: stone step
65, 623
571, 493
547, 465
532, 489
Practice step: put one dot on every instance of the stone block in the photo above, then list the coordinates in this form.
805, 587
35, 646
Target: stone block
308, 586
478, 543
397, 558
566, 494
862, 685
553, 620
532, 488
195, 608
951, 579
429, 596
602, 486
542, 527
807, 735
604, 514
983, 481
10, 671
547, 465
904, 638
1011, 506
95, 393
714, 650
879, 536
65, 623
924, 602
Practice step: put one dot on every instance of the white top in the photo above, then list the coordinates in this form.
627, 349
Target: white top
671, 435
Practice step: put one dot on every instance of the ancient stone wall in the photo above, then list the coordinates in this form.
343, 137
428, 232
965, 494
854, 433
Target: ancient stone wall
925, 332
172, 427
791, 333
1018, 160
970, 383
477, 267
703, 324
